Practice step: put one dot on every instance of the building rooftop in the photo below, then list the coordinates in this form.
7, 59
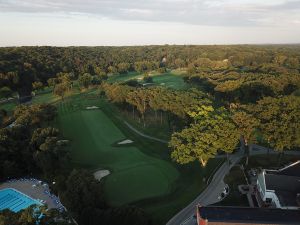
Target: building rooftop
292, 170
285, 182
285, 187
211, 215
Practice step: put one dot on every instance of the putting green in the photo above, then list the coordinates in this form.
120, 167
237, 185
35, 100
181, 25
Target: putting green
134, 175
172, 79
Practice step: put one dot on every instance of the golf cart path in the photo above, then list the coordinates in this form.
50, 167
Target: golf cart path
144, 135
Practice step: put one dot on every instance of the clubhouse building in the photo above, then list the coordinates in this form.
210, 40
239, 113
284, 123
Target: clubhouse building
278, 195
280, 188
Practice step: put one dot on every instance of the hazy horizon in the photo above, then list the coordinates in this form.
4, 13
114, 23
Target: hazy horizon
156, 22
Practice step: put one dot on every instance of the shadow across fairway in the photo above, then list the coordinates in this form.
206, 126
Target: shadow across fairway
143, 173
135, 175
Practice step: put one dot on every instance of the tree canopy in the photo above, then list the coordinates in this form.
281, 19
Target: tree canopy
278, 119
213, 131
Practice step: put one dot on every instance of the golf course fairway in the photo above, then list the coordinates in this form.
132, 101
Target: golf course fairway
134, 174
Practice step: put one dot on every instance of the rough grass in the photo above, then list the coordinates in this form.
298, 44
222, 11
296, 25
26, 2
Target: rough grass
8, 106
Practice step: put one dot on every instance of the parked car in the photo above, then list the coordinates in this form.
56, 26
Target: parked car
226, 190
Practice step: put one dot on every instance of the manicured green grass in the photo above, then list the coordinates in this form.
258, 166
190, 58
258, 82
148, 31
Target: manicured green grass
124, 77
142, 172
171, 79
188, 186
135, 175
47, 97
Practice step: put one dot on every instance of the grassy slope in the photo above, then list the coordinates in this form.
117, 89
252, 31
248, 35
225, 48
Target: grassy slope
188, 185
95, 147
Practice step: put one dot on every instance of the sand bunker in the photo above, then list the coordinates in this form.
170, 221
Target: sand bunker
127, 141
92, 107
101, 173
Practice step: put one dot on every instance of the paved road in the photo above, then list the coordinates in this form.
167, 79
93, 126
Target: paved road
209, 195
214, 189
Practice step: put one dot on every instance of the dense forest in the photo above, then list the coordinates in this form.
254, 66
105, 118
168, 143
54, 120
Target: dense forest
222, 68
237, 91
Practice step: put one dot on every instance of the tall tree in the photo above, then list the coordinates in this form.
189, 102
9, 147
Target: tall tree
123, 67
85, 80
61, 89
212, 132
37, 85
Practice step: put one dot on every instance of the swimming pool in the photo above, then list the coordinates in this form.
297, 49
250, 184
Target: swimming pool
14, 200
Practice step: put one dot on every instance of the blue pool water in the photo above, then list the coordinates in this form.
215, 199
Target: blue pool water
15, 201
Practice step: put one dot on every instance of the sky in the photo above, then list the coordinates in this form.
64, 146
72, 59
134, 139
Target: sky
146, 22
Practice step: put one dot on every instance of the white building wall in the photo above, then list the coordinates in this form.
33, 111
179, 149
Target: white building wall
271, 194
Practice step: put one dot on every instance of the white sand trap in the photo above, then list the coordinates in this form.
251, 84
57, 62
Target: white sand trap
127, 141
146, 84
92, 107
101, 173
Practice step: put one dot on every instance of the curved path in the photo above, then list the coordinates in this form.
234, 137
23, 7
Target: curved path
145, 135
209, 195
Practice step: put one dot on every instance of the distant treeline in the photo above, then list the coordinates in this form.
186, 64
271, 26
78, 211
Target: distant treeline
22, 66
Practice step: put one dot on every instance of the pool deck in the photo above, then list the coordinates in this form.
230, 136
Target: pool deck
39, 192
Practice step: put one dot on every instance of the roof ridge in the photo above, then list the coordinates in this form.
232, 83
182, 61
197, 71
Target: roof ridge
288, 166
